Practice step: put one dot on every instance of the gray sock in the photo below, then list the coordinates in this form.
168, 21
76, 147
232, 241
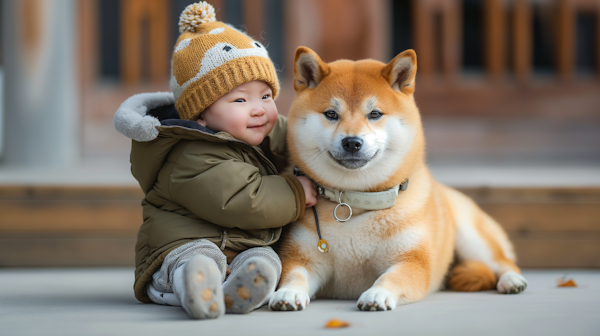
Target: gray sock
249, 285
198, 285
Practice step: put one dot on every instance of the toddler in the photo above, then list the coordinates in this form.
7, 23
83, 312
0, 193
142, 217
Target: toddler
205, 157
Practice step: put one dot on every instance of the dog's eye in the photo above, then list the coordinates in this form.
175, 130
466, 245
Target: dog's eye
374, 115
331, 115
226, 48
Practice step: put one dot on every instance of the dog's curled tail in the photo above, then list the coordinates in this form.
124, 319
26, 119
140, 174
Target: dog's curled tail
471, 276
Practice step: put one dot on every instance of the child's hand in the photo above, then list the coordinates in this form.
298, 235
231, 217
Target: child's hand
310, 190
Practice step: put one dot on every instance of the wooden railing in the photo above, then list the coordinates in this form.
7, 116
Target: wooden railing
424, 14
349, 31
496, 30
566, 15
154, 15
337, 30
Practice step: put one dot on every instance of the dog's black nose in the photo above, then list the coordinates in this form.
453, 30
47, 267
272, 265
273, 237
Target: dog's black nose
352, 144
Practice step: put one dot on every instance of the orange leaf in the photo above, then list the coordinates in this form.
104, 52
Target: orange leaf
334, 324
568, 283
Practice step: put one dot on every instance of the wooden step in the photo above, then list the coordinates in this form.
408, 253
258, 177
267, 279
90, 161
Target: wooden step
97, 226
549, 227
69, 226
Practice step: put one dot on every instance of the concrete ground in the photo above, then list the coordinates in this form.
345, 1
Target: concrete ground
100, 302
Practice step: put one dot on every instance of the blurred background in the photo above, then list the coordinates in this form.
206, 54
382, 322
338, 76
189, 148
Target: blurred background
509, 92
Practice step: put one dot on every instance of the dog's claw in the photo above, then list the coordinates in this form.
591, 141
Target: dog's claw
376, 299
511, 283
282, 306
288, 300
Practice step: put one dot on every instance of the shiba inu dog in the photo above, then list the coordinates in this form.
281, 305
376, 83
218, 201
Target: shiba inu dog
354, 128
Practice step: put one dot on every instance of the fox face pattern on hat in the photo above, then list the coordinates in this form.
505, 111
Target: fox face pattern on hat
211, 58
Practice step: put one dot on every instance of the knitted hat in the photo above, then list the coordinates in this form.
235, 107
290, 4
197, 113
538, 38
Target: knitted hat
212, 58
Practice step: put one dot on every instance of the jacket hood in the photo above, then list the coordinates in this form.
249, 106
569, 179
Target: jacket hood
131, 119
151, 120
141, 116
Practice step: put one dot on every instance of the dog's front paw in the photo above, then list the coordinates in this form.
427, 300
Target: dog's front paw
289, 299
375, 299
511, 283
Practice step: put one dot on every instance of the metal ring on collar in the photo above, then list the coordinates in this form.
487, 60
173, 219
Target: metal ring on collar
337, 206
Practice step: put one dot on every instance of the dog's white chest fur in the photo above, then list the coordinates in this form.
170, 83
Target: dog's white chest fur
358, 253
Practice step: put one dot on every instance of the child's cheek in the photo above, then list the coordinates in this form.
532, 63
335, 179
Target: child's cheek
272, 112
241, 121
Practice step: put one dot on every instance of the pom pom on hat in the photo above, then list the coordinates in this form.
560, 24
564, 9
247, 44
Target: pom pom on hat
195, 14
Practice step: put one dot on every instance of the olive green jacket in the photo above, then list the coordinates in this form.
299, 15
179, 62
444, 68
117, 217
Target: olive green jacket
204, 184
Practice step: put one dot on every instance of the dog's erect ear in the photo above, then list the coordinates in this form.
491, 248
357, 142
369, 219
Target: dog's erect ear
309, 70
401, 71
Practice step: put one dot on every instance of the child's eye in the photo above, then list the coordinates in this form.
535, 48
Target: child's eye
240, 100
266, 96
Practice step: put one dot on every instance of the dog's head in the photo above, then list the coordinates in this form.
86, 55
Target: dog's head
355, 125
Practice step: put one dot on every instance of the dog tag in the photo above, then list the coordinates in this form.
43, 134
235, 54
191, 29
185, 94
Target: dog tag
323, 246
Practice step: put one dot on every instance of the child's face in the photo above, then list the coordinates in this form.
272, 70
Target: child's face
247, 112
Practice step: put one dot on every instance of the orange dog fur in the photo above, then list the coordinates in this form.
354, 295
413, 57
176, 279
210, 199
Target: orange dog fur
381, 257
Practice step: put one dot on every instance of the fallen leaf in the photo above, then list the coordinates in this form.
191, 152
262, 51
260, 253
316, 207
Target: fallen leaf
567, 283
335, 323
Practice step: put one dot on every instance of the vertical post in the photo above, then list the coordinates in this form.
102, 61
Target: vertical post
423, 36
254, 17
159, 39
598, 40
379, 30
87, 21
565, 60
339, 36
219, 6
495, 46
522, 31
449, 52
131, 41
156, 13
41, 107
1, 113
451, 38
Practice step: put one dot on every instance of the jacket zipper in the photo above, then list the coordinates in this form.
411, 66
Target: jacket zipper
224, 242
272, 236
265, 159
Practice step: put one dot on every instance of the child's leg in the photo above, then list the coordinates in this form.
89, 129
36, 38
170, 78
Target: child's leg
191, 276
169, 299
254, 276
197, 284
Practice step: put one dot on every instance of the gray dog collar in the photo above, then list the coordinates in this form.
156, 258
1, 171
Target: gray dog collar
359, 199
363, 200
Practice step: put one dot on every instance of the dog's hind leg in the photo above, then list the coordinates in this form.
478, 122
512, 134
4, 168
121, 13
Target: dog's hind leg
485, 255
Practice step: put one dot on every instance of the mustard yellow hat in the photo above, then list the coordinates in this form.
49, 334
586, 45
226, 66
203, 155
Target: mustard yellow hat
211, 58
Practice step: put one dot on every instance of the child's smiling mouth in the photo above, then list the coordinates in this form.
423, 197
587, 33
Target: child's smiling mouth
257, 126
